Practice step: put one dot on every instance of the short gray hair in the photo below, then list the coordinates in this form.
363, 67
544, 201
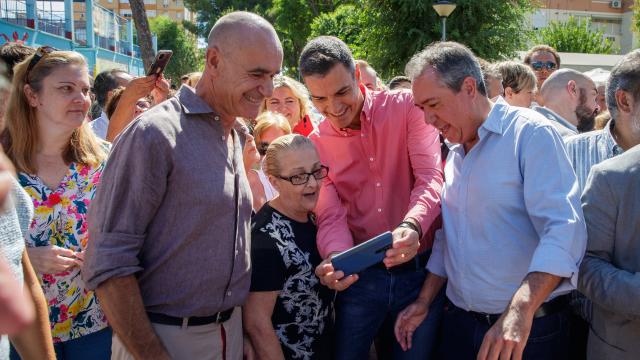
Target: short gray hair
452, 61
624, 76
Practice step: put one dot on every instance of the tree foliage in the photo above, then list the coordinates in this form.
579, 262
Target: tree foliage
208, 11
391, 31
172, 35
575, 36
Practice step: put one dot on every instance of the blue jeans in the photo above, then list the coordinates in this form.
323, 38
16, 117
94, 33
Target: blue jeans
462, 335
374, 301
95, 346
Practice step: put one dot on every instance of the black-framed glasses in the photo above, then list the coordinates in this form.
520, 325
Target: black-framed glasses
539, 65
301, 179
40, 53
262, 148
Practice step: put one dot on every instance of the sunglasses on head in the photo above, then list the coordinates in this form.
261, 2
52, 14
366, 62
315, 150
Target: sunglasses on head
539, 65
40, 53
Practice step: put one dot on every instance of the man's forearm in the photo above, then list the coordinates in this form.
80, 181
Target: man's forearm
122, 303
533, 291
35, 342
430, 288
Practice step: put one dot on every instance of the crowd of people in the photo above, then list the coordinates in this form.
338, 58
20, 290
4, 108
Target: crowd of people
143, 222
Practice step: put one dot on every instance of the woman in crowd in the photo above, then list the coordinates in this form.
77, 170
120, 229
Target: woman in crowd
519, 83
59, 160
291, 99
142, 104
269, 127
288, 312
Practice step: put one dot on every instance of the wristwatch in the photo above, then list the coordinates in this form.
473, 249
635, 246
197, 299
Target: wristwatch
412, 226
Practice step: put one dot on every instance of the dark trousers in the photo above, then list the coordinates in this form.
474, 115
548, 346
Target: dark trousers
95, 346
371, 305
462, 335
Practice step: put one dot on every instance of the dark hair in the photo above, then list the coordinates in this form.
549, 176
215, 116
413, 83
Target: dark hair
322, 53
112, 103
541, 48
105, 81
13, 53
625, 76
453, 62
397, 81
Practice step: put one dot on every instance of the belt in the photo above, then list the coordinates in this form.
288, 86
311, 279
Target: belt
554, 306
217, 318
417, 263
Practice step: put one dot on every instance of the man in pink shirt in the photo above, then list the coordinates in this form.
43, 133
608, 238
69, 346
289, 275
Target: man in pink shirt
385, 175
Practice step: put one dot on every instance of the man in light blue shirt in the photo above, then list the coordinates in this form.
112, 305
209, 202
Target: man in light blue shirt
514, 232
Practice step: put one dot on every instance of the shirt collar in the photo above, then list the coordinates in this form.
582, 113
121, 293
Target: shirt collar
496, 118
192, 103
609, 140
551, 115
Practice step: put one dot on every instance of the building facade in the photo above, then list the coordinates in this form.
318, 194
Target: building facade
173, 9
613, 17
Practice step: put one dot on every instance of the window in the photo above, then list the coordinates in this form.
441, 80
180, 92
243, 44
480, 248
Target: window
151, 13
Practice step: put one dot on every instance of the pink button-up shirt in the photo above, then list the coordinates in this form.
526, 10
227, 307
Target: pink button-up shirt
387, 171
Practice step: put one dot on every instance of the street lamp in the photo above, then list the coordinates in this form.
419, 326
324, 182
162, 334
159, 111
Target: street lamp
444, 9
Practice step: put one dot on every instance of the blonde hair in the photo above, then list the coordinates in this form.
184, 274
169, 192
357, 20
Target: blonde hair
297, 89
194, 77
267, 120
280, 145
21, 137
517, 76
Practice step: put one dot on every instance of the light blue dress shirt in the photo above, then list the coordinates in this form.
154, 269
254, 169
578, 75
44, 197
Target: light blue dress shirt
510, 207
588, 149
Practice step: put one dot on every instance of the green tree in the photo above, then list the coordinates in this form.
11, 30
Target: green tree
575, 36
391, 31
209, 11
173, 36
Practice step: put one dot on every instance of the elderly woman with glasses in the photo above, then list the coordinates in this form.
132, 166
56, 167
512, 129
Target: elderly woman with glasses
59, 161
288, 312
269, 127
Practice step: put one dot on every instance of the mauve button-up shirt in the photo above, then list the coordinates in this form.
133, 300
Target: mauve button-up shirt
173, 208
387, 171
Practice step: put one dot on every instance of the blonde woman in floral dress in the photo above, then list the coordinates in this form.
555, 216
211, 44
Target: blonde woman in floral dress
59, 161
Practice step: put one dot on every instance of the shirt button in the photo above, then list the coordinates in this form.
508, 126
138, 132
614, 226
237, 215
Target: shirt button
217, 118
361, 135
370, 159
379, 210
378, 184
228, 293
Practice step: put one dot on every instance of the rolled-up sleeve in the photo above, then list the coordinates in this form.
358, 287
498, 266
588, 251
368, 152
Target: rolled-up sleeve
333, 230
131, 189
600, 280
552, 200
435, 264
424, 154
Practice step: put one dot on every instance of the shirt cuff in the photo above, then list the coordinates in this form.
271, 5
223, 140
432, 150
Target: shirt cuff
111, 255
435, 265
554, 260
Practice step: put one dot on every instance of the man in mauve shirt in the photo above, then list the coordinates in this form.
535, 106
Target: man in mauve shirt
169, 226
385, 175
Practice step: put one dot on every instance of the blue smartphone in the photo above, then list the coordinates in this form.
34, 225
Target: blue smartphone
360, 257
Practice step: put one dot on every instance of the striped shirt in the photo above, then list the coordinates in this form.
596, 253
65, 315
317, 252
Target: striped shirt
588, 149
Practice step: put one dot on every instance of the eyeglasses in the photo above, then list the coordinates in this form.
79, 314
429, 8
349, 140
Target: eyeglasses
539, 65
301, 179
262, 148
40, 53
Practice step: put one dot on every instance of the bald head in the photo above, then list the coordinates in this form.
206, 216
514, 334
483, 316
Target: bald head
556, 83
241, 27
